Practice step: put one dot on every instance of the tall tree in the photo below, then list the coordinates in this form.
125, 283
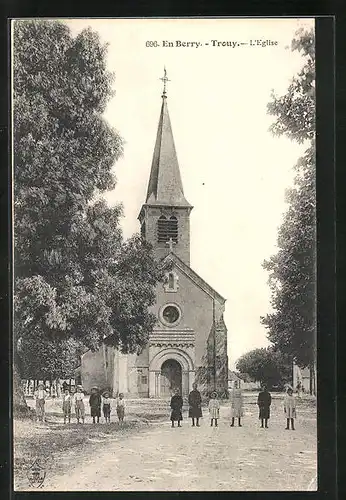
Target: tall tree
266, 365
292, 271
76, 280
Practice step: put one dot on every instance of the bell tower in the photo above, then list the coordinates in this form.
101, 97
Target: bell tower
165, 215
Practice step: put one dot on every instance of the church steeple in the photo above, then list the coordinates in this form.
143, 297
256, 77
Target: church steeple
165, 213
165, 186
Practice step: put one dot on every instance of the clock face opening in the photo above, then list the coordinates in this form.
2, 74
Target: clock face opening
171, 314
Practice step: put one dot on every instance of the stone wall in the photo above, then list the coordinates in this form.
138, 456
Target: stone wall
97, 368
212, 374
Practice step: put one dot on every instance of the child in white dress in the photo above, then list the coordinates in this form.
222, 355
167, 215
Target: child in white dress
290, 408
236, 404
214, 409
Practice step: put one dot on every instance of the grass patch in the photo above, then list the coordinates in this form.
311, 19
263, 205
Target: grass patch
51, 441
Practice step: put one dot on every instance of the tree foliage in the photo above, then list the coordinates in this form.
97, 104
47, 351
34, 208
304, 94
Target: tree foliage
292, 270
265, 365
76, 280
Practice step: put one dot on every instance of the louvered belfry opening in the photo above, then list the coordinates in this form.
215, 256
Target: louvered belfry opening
167, 229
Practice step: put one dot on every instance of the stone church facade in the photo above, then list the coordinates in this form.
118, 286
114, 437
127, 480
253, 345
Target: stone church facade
189, 340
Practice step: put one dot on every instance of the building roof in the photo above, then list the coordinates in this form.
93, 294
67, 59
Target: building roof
165, 186
194, 276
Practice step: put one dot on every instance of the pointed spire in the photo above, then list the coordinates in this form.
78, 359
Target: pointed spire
165, 185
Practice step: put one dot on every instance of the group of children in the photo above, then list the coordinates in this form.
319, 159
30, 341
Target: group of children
96, 401
76, 399
263, 401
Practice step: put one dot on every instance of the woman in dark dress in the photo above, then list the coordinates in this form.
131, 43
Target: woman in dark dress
264, 401
95, 404
195, 402
176, 405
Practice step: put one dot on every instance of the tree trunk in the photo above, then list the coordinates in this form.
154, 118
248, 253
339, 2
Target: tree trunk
20, 406
313, 369
312, 379
58, 392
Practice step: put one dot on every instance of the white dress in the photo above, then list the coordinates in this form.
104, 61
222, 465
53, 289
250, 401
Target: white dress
236, 403
214, 408
290, 406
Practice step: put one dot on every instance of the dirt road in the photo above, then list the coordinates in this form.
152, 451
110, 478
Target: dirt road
160, 458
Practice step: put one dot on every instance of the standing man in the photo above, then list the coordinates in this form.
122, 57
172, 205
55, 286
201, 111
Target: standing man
195, 402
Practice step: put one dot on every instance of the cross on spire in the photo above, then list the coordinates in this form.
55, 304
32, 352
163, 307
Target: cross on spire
170, 244
165, 80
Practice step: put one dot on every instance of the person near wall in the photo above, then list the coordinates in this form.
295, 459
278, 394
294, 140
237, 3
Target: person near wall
40, 397
176, 406
95, 404
236, 404
78, 399
290, 409
264, 401
195, 405
214, 409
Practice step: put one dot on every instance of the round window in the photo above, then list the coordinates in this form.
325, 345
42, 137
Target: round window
170, 314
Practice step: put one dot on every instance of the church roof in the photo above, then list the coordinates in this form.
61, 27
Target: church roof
165, 186
194, 277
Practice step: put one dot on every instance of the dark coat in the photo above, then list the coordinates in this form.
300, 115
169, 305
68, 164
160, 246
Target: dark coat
195, 401
264, 401
176, 405
95, 405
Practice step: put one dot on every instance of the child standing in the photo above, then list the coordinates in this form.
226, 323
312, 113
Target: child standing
299, 389
236, 404
176, 406
40, 396
214, 409
264, 401
121, 407
95, 404
67, 405
79, 403
106, 407
290, 408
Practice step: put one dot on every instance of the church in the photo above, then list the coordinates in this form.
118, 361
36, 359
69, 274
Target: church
189, 341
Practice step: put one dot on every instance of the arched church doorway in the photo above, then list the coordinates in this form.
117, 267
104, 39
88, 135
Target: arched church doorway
171, 377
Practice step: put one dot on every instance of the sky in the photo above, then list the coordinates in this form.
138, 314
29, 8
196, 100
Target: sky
234, 171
